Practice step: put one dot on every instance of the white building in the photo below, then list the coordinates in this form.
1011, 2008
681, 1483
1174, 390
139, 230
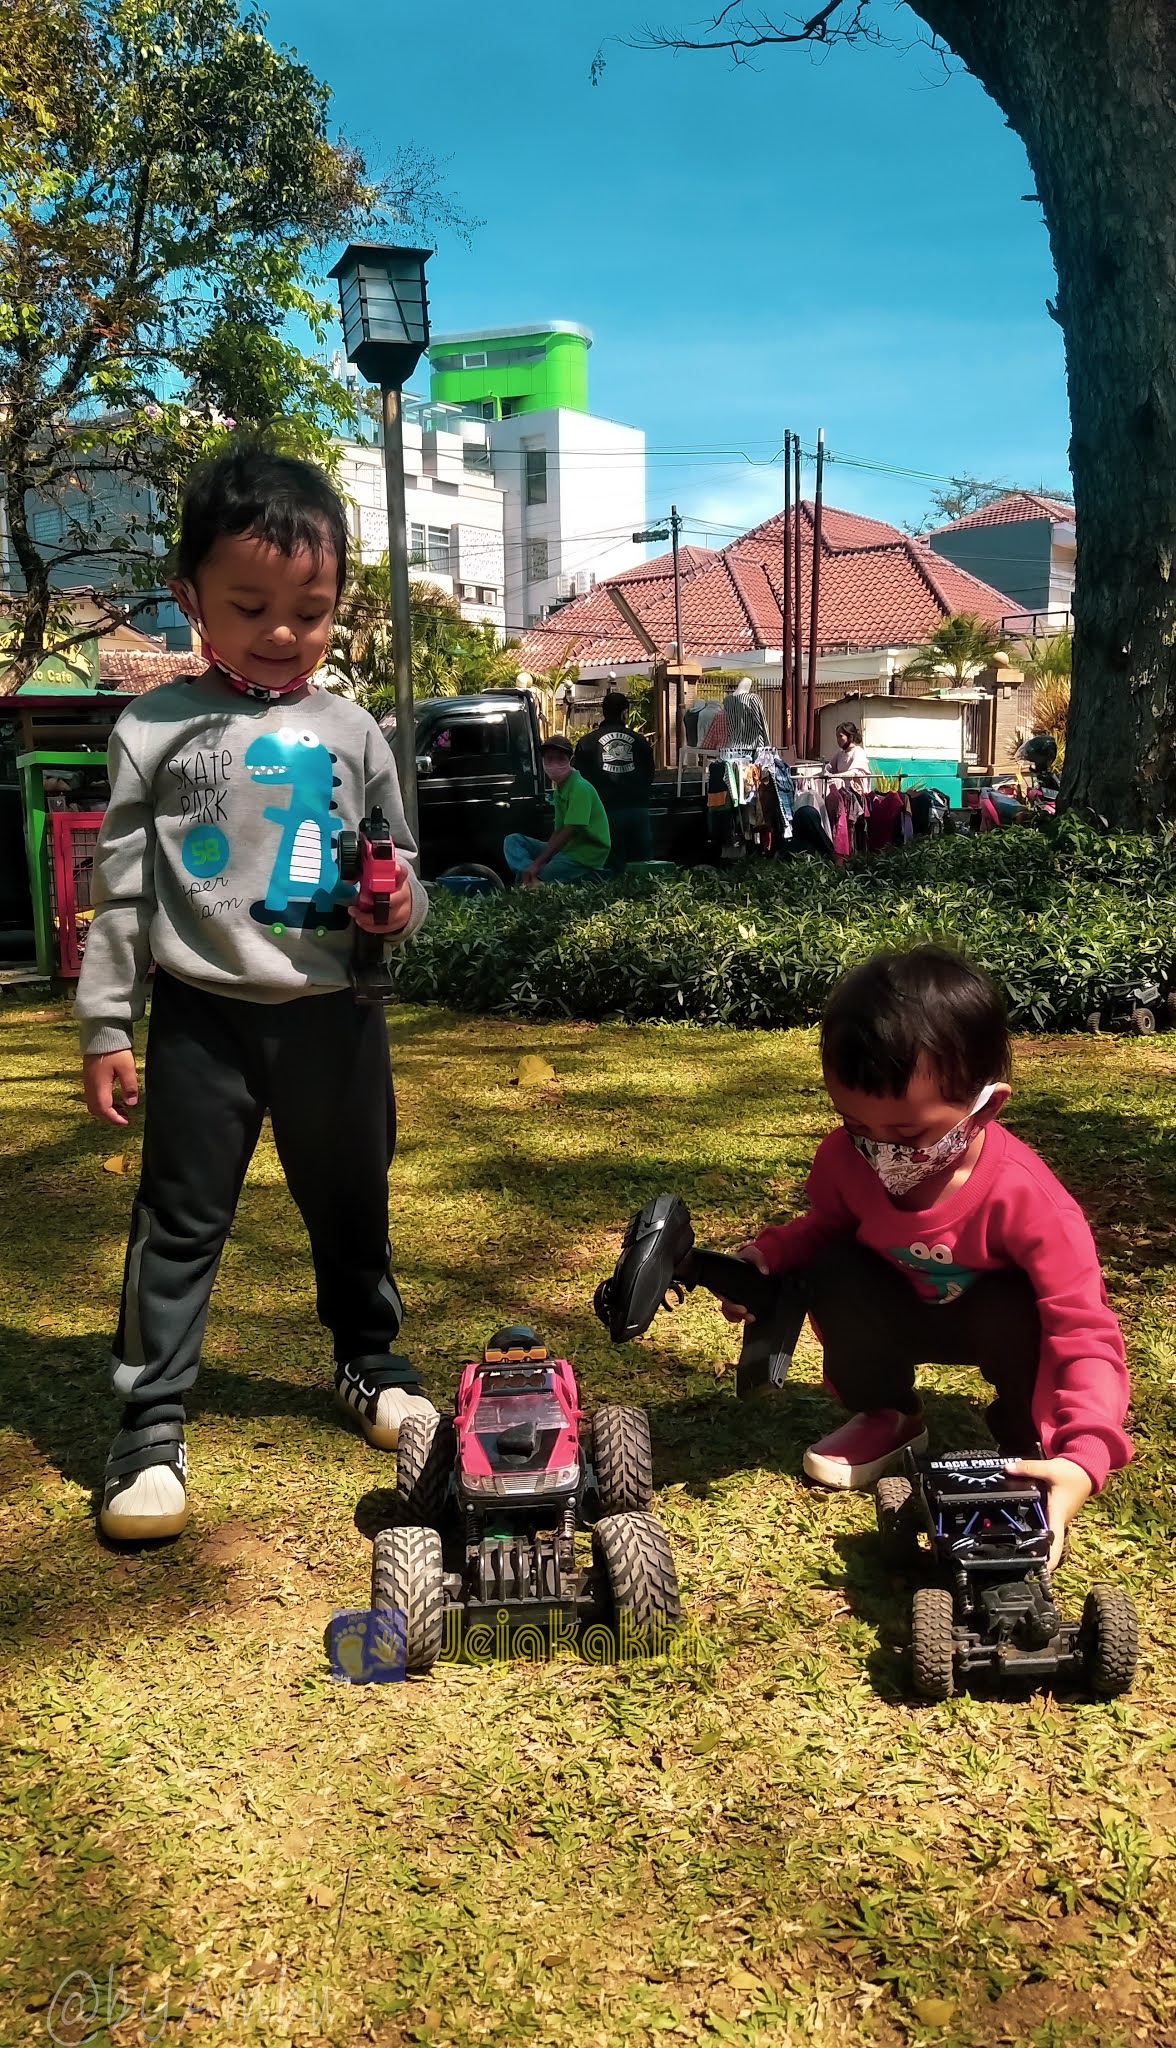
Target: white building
574, 495
453, 506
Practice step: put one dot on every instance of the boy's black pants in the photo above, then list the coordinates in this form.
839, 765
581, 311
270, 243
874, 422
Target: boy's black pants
215, 1065
876, 1329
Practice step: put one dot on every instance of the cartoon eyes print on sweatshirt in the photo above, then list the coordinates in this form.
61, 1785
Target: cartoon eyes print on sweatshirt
933, 1263
305, 870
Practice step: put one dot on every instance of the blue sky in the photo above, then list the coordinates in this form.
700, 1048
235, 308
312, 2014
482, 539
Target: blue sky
836, 242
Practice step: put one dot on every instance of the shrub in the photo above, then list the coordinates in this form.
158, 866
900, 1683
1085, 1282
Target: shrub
1053, 915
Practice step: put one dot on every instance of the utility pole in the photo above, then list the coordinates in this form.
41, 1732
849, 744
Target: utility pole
675, 529
789, 726
815, 603
801, 740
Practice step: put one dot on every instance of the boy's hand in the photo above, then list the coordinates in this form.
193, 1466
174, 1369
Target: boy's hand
399, 911
731, 1309
1069, 1489
103, 1075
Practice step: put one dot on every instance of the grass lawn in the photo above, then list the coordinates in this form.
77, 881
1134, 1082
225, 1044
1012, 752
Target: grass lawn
768, 1843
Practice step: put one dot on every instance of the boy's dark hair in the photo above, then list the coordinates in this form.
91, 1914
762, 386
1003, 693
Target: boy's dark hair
899, 1008
249, 489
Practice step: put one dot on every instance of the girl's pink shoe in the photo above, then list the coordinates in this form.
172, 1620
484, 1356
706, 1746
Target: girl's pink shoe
865, 1447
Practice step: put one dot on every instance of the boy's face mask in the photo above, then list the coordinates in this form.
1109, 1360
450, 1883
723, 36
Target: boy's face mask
901, 1168
189, 604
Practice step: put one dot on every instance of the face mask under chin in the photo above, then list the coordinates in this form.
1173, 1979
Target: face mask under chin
902, 1168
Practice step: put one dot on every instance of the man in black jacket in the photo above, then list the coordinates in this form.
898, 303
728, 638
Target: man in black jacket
619, 765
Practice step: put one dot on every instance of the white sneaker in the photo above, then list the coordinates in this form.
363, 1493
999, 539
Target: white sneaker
141, 1500
374, 1392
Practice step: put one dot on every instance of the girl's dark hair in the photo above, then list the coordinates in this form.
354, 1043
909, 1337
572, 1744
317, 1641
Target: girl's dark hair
847, 726
276, 498
899, 1008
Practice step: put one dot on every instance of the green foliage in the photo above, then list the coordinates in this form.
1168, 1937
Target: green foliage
450, 654
166, 179
1053, 914
958, 648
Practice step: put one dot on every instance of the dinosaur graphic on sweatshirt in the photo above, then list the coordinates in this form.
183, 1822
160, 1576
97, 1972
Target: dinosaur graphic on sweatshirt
305, 869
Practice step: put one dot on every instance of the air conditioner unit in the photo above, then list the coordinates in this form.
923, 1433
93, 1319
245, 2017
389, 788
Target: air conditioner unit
573, 586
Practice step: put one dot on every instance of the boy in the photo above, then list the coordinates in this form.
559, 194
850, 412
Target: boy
217, 859
580, 844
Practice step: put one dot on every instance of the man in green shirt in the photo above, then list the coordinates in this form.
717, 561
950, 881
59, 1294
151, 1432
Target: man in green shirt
580, 844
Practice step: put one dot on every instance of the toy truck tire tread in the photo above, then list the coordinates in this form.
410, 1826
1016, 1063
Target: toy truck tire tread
933, 1643
639, 1568
896, 1508
1110, 1638
408, 1574
424, 1463
622, 1460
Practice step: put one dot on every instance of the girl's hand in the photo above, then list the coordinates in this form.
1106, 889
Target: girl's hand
731, 1309
399, 911
1069, 1489
103, 1075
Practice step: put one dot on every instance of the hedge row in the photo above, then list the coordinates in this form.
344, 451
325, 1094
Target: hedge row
1054, 915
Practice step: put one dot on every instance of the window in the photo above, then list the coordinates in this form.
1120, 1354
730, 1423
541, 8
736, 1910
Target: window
416, 543
438, 553
474, 361
536, 561
475, 455
535, 472
468, 746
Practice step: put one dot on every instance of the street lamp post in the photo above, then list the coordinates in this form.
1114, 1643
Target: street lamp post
385, 332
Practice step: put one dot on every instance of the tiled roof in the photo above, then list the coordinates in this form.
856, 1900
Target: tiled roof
132, 674
879, 588
1011, 509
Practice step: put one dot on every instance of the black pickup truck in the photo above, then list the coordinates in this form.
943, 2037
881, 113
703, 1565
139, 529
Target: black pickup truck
479, 777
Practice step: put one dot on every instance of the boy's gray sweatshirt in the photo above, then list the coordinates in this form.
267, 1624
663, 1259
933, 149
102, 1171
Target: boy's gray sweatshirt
217, 856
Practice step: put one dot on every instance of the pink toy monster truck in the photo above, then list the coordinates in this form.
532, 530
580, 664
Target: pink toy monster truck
490, 1498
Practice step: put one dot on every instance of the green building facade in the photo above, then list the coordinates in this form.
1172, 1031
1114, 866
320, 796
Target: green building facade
505, 371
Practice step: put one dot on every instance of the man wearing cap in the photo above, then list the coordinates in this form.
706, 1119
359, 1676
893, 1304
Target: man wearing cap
580, 844
619, 765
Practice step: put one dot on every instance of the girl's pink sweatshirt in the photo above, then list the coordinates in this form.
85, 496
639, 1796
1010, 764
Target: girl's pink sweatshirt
1011, 1211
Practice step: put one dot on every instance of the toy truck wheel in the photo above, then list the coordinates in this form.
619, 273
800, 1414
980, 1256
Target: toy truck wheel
1143, 1022
1170, 1009
622, 1460
424, 1463
639, 1569
1094, 1022
347, 856
897, 1513
932, 1643
1110, 1640
408, 1575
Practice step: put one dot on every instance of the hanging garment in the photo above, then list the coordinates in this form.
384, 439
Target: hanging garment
886, 812
838, 821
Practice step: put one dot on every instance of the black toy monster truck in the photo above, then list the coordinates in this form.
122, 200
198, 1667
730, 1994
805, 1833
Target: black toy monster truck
992, 1610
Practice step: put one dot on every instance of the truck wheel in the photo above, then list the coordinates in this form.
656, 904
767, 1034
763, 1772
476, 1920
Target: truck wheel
1109, 1636
896, 1509
639, 1569
1094, 1022
933, 1642
622, 1460
1144, 1022
424, 1463
408, 1577
493, 880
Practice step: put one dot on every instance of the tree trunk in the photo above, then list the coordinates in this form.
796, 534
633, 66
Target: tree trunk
1090, 87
